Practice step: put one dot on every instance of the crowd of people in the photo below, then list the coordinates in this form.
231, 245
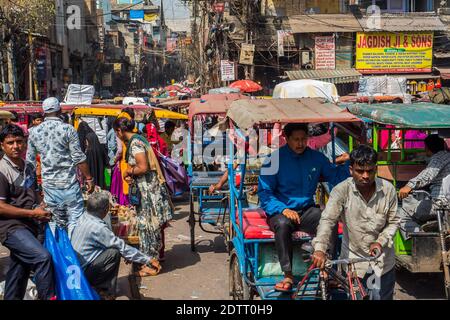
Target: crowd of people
71, 164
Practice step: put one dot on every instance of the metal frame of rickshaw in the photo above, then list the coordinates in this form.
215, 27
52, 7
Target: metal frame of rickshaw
211, 209
25, 109
244, 257
412, 254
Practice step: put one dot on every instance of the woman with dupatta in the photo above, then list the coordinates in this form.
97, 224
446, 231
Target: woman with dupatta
154, 208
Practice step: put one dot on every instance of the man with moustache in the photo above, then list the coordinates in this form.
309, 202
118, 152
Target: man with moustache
367, 207
286, 190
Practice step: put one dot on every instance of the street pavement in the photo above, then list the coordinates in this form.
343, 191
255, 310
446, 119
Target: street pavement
203, 275
187, 275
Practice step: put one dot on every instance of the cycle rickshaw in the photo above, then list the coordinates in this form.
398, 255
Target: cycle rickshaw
425, 249
254, 266
205, 209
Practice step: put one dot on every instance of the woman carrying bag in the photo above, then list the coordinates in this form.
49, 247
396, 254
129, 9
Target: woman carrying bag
148, 191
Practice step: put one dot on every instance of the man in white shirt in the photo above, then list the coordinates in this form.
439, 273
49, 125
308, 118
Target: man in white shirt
367, 207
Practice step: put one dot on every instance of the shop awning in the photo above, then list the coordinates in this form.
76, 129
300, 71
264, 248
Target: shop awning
404, 22
445, 73
333, 76
324, 23
416, 76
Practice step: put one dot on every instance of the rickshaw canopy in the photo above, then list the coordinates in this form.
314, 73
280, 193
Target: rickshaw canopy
224, 96
5, 115
175, 103
211, 105
247, 113
116, 111
408, 116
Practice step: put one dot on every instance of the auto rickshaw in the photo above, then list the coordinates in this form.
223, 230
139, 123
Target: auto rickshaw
254, 266
426, 250
99, 111
26, 109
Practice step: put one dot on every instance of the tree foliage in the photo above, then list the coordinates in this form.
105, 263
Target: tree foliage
36, 16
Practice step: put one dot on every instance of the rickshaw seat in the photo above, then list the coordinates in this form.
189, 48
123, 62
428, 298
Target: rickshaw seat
203, 179
256, 225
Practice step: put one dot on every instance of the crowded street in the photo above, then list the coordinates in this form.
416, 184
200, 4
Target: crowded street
203, 275
224, 150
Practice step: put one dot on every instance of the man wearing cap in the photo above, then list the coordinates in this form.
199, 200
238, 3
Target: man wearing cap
60, 151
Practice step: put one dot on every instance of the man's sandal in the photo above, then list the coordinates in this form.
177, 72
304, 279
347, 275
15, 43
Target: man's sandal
285, 285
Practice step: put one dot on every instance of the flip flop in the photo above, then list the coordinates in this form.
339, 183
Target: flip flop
281, 286
156, 265
147, 272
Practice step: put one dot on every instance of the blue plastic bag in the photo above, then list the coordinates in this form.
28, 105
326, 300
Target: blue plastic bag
70, 282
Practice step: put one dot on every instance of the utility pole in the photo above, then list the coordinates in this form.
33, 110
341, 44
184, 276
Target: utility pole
249, 69
2, 67
30, 66
204, 23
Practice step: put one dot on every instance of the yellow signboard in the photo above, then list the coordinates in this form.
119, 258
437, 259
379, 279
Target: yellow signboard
384, 52
117, 67
149, 17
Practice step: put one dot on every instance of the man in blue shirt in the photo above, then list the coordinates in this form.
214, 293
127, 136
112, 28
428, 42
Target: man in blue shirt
58, 145
99, 250
287, 186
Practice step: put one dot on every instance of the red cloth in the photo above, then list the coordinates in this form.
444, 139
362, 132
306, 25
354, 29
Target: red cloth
158, 144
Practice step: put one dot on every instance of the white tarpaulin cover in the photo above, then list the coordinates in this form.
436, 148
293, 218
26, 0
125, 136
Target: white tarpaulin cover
381, 86
306, 89
79, 94
224, 90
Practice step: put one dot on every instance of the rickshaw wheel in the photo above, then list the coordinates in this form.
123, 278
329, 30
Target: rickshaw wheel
239, 289
192, 221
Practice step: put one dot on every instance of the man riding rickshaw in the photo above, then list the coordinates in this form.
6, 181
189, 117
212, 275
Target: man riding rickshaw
286, 189
422, 244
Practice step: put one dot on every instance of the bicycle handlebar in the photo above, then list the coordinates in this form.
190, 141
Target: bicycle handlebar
349, 261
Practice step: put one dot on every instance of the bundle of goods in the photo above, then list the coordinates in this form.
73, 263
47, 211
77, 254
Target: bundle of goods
124, 223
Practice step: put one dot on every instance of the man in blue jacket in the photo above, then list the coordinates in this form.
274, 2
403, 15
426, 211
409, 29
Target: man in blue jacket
287, 186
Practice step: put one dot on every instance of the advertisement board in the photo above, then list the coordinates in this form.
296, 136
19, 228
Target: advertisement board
325, 53
227, 70
247, 54
383, 52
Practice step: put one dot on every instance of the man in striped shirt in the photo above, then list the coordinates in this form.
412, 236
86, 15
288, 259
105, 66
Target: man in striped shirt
99, 250
432, 177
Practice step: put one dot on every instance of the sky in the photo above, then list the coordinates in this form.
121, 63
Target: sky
176, 14
174, 9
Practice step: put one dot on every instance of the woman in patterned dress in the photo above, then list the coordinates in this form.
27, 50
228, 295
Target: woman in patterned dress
155, 208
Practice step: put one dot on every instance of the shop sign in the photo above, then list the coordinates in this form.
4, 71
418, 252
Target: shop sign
247, 54
325, 53
219, 7
227, 70
407, 52
107, 80
171, 44
117, 67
